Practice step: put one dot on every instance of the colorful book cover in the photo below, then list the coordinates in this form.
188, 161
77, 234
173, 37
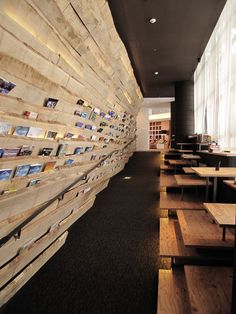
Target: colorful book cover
26, 150
88, 148
51, 103
93, 116
69, 135
62, 149
93, 138
102, 114
31, 115
34, 132
46, 151
78, 150
5, 174
69, 162
88, 126
78, 113
34, 182
51, 135
1, 152
35, 168
6, 86
79, 124
49, 165
21, 131
5, 128
84, 115
80, 102
11, 152
22, 171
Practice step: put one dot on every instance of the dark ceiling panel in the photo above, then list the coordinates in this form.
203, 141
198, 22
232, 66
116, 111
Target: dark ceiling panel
171, 46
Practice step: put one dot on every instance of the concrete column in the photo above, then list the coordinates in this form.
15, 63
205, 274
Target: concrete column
142, 142
183, 119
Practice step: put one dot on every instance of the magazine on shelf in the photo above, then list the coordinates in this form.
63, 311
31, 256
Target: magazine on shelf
6, 86
5, 128
62, 149
31, 115
69, 162
26, 150
51, 103
21, 131
49, 166
46, 151
35, 168
51, 135
5, 174
22, 170
11, 152
35, 132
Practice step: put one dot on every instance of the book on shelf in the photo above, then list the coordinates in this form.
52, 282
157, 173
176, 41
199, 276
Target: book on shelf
35, 168
22, 170
79, 124
21, 130
11, 152
78, 150
26, 150
31, 115
69, 162
6, 86
62, 149
46, 151
51, 135
35, 132
5, 128
33, 182
51, 103
5, 174
49, 166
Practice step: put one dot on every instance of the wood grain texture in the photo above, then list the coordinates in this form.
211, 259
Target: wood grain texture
173, 201
171, 242
211, 172
167, 180
186, 180
198, 230
223, 214
209, 288
172, 292
188, 170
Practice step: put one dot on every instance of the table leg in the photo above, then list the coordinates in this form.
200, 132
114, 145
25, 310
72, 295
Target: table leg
207, 188
214, 189
182, 194
224, 231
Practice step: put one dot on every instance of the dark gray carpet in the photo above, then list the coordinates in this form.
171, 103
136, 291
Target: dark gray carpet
109, 263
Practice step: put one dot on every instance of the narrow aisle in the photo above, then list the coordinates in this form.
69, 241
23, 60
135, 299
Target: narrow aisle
109, 263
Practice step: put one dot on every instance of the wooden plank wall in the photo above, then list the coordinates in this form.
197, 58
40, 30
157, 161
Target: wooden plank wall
69, 51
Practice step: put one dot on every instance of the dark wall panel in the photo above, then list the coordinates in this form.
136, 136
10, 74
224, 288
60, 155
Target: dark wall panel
184, 110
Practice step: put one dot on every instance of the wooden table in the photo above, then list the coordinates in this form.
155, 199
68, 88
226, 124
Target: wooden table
177, 163
222, 214
211, 172
189, 181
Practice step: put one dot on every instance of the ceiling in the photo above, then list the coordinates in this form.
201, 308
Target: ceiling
171, 46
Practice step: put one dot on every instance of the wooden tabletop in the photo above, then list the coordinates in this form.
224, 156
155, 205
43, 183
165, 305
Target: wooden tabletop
211, 172
189, 180
185, 150
189, 170
230, 183
190, 156
220, 153
179, 162
223, 214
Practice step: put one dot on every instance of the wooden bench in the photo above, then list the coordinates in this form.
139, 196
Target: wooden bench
167, 167
209, 289
167, 180
188, 180
230, 183
171, 241
172, 292
188, 170
222, 214
173, 200
198, 230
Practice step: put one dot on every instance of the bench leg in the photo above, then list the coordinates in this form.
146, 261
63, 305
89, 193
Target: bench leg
224, 232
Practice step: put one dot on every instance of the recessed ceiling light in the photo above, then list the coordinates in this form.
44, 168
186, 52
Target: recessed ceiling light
156, 73
152, 20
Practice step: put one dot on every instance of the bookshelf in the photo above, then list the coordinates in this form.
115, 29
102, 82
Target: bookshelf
159, 133
69, 104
